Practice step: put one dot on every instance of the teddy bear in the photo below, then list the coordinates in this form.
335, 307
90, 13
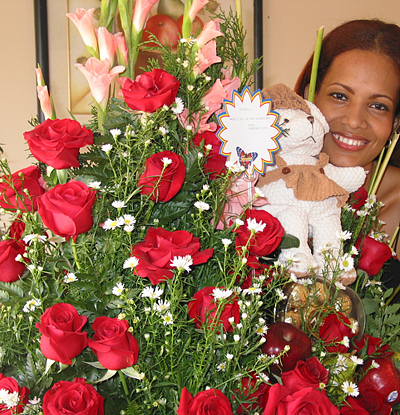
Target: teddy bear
305, 192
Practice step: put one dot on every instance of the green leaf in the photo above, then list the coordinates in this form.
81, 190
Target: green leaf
109, 374
132, 373
289, 241
371, 306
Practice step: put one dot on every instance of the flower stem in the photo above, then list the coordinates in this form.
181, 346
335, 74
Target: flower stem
314, 69
124, 385
75, 252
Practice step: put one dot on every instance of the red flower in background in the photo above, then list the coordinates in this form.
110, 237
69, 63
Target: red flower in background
374, 346
257, 396
149, 91
373, 255
215, 162
11, 270
163, 176
211, 401
359, 198
10, 385
57, 142
333, 331
21, 189
160, 247
16, 229
204, 308
352, 407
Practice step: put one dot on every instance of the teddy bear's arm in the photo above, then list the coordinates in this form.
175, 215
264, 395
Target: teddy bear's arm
350, 178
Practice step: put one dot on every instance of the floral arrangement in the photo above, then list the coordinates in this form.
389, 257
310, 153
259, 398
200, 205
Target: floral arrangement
127, 288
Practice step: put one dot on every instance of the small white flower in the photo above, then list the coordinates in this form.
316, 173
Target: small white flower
371, 200
239, 222
28, 239
111, 224
177, 106
226, 242
151, 292
190, 87
221, 293
161, 306
236, 337
70, 277
346, 263
259, 192
163, 130
94, 185
118, 289
118, 204
252, 225
115, 132
254, 289
106, 148
346, 341
221, 367
131, 262
362, 213
375, 364
293, 277
339, 285
350, 388
357, 360
128, 220
10, 399
343, 235
229, 356
19, 258
166, 161
354, 327
182, 263
167, 319
264, 377
353, 251
31, 305
281, 294
261, 330
202, 205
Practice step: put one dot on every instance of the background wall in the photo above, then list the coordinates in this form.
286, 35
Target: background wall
290, 28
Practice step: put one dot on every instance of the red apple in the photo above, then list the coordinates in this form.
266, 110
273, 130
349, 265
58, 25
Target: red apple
281, 334
197, 25
385, 379
164, 28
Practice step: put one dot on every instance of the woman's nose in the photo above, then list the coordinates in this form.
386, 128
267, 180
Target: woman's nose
354, 115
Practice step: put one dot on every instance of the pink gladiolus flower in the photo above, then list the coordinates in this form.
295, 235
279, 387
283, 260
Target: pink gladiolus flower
45, 101
99, 77
215, 96
121, 49
209, 32
83, 21
196, 6
230, 85
106, 44
141, 12
207, 55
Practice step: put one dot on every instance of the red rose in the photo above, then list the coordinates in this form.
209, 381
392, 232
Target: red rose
358, 198
162, 181
215, 162
262, 240
160, 247
374, 346
11, 269
373, 255
76, 397
250, 392
113, 344
372, 401
204, 308
307, 401
310, 373
149, 91
21, 189
10, 385
333, 330
62, 337
16, 229
57, 142
67, 209
352, 407
211, 401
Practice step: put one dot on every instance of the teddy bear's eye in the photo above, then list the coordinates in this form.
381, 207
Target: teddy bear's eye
285, 121
311, 119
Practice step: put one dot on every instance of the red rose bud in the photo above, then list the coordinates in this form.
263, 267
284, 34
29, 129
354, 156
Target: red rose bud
163, 176
263, 230
373, 255
253, 395
21, 189
358, 198
62, 337
160, 247
211, 401
11, 270
67, 209
149, 91
76, 397
215, 162
335, 331
113, 344
16, 229
205, 309
11, 386
374, 346
57, 142
352, 407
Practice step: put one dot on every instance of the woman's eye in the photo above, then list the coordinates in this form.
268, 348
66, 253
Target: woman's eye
339, 96
379, 106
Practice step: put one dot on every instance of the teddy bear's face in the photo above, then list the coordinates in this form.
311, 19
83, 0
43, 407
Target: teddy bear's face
302, 133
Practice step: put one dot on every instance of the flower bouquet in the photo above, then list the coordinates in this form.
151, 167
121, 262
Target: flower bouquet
125, 286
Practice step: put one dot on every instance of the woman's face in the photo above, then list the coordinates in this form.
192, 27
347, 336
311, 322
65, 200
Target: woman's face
358, 97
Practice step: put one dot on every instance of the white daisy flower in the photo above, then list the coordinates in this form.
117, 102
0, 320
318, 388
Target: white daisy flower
252, 225
118, 204
350, 388
353, 251
115, 132
371, 200
111, 224
221, 293
161, 306
177, 106
346, 262
167, 319
261, 330
343, 235
70, 277
182, 263
221, 367
128, 220
362, 213
254, 289
131, 262
106, 148
94, 185
28, 239
202, 205
118, 289
152, 292
31, 305
10, 399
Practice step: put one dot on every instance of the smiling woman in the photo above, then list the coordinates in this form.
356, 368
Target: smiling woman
358, 92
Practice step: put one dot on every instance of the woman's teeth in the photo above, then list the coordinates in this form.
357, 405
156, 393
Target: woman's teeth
349, 141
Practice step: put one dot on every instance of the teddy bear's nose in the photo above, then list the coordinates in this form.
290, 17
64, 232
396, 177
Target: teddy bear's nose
311, 119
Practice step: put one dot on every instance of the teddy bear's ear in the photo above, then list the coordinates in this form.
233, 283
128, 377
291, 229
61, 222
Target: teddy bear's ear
315, 112
283, 97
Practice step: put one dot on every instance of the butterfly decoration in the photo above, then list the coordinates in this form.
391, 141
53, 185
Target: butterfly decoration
245, 159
